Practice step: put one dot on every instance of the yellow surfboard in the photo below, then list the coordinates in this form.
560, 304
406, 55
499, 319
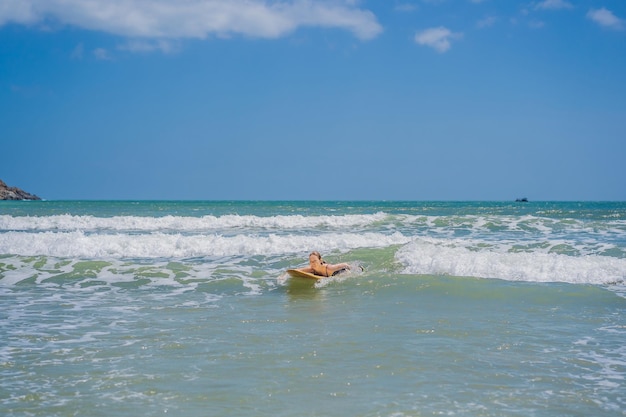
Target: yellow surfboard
296, 273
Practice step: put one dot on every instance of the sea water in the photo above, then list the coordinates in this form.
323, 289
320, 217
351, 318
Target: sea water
184, 308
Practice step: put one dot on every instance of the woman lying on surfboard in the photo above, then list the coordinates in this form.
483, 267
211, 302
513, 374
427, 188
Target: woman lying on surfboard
318, 266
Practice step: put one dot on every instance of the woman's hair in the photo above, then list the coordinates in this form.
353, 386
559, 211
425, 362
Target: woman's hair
316, 253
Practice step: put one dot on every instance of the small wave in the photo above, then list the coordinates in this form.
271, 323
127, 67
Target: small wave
513, 225
183, 224
78, 244
475, 259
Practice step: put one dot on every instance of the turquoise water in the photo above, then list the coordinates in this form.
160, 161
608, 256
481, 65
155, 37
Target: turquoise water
157, 308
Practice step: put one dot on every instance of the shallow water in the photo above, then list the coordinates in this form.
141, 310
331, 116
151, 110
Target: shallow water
184, 308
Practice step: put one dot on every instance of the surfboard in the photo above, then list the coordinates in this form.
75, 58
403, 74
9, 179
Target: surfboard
296, 273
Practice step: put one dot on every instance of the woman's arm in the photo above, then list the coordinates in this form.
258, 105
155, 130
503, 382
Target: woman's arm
332, 268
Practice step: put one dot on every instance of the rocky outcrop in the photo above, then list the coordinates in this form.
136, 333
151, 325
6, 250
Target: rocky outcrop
14, 193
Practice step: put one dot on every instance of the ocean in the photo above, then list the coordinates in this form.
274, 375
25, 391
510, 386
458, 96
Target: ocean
114, 308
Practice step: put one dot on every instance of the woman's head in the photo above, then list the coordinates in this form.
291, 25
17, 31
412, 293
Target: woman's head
315, 254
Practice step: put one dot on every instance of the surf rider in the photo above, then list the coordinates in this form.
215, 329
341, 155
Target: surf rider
318, 266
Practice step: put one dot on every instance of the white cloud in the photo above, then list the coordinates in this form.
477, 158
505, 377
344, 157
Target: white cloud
437, 38
78, 51
135, 45
166, 19
487, 22
16, 11
554, 5
102, 54
606, 18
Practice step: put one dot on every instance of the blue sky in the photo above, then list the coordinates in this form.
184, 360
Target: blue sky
314, 100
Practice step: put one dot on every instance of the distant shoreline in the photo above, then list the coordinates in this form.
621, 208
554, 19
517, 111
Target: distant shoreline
14, 193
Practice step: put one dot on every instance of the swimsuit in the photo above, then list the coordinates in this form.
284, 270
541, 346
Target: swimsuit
337, 272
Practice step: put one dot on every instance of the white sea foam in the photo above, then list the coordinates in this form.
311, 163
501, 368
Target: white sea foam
488, 226
182, 224
510, 247
477, 259
161, 245
514, 224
